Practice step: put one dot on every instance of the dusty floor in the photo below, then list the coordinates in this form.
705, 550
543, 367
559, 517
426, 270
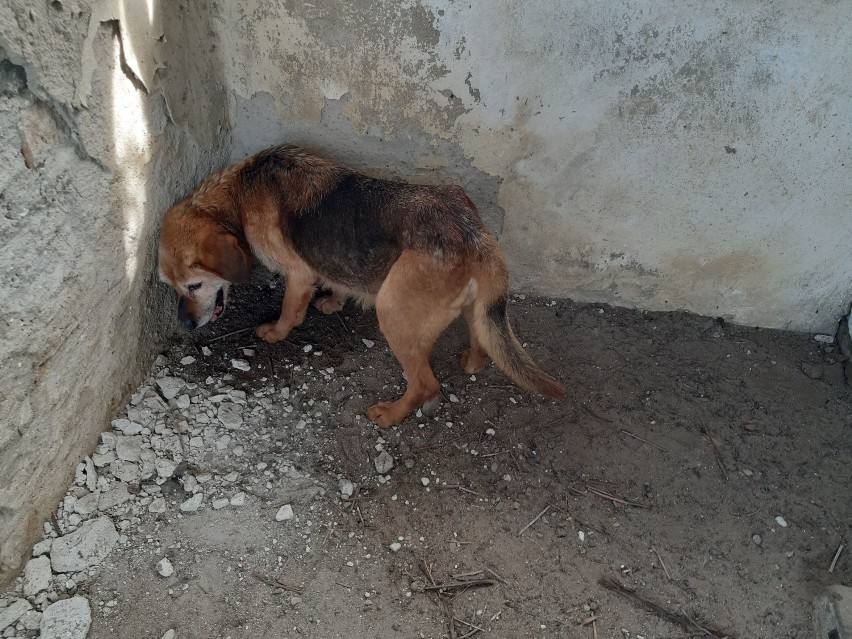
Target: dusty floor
681, 441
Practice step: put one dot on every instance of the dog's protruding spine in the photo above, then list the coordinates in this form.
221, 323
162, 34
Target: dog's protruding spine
491, 323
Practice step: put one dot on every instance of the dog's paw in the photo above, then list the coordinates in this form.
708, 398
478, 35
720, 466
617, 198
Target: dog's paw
472, 361
271, 332
329, 304
384, 414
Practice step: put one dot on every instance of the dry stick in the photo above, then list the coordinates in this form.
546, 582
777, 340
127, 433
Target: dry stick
236, 332
836, 557
679, 619
590, 620
469, 625
535, 519
666, 570
594, 630
644, 441
457, 487
472, 583
499, 452
617, 500
594, 413
448, 610
496, 576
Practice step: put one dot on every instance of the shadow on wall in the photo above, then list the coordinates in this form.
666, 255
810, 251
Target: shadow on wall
82, 327
422, 158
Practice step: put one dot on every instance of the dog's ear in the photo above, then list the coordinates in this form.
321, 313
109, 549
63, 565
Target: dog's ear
224, 255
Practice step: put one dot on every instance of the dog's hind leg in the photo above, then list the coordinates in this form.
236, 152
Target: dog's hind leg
299, 288
328, 304
473, 359
417, 301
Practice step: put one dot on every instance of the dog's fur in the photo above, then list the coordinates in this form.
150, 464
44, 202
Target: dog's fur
420, 254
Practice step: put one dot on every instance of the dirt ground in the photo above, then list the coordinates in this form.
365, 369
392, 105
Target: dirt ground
681, 440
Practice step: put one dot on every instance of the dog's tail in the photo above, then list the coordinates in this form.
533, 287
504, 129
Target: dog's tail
492, 329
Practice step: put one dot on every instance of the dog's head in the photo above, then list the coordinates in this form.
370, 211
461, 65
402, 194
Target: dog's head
200, 259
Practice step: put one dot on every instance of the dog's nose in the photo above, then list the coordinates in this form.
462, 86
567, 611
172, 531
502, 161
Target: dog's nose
186, 320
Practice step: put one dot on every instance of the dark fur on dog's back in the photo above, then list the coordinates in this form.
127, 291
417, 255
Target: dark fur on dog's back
420, 253
351, 227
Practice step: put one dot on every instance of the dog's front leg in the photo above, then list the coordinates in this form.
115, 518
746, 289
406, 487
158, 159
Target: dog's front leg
298, 291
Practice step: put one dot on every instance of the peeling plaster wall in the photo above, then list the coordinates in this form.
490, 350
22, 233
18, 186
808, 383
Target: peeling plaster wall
107, 115
666, 155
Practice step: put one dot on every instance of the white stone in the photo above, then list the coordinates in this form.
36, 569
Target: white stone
170, 634
114, 497
241, 364
170, 386
239, 499
36, 576
91, 474
368, 342
85, 547
219, 503
206, 351
87, 504
383, 463
285, 513
186, 361
66, 619
454, 399
230, 415
14, 611
424, 481
105, 459
126, 426
491, 432
183, 401
165, 467
125, 471
395, 546
165, 568
42, 547
31, 620
129, 448
781, 521
193, 503
347, 488
158, 505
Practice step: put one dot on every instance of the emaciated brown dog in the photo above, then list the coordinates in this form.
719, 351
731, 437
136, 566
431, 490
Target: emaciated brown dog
420, 254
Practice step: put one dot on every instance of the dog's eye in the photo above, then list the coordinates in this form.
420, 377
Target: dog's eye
193, 287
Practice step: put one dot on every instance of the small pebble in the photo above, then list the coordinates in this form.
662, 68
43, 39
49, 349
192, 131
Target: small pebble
285, 513
241, 364
368, 342
781, 521
756, 539
395, 546
165, 568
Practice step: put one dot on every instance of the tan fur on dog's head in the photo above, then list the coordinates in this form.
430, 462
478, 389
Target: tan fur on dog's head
200, 258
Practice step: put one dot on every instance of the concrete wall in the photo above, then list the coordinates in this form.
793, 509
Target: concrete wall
103, 124
666, 155
663, 155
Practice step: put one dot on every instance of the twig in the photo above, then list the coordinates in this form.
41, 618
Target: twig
499, 452
836, 557
676, 618
496, 576
535, 519
617, 500
662, 563
594, 413
457, 487
590, 620
644, 441
236, 332
594, 630
469, 625
472, 583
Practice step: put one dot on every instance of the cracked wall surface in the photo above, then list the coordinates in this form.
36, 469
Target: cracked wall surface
105, 119
663, 155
